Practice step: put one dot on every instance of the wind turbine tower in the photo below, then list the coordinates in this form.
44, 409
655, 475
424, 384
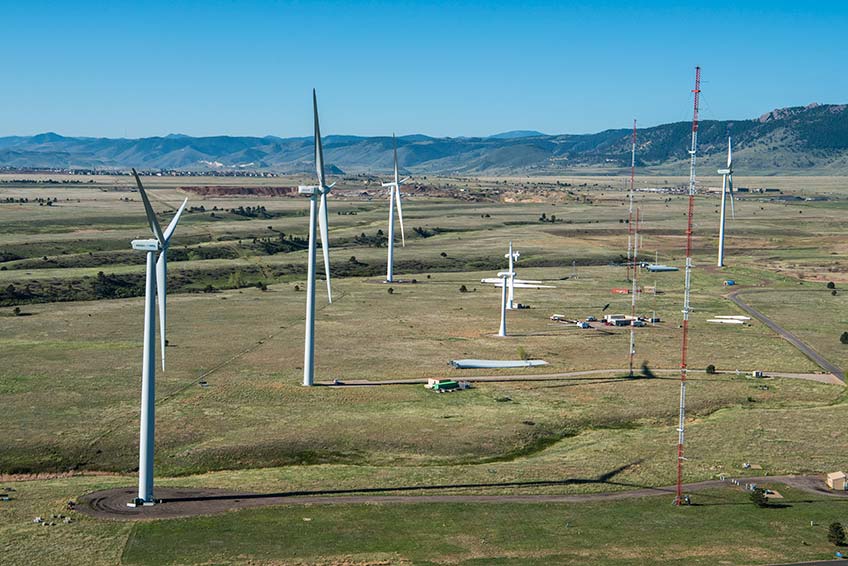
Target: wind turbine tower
513, 257
394, 197
155, 283
726, 191
679, 500
317, 212
505, 277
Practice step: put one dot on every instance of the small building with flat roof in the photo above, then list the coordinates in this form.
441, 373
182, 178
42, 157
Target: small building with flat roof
836, 481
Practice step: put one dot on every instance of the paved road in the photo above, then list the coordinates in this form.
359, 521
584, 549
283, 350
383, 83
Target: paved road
186, 502
791, 338
563, 376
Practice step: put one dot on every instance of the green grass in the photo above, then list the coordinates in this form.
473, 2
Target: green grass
724, 528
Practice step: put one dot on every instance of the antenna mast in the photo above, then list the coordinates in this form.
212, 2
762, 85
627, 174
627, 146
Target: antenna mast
630, 213
688, 277
633, 252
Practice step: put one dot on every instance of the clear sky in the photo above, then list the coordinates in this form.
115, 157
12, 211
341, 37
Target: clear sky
131, 69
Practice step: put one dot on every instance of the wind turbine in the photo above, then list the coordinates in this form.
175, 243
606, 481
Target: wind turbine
726, 190
394, 196
319, 212
513, 257
155, 284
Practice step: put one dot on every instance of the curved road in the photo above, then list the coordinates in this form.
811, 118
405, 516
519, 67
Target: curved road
185, 502
783, 333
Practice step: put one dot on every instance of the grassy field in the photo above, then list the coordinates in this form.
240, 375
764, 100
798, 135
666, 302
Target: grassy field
70, 371
722, 528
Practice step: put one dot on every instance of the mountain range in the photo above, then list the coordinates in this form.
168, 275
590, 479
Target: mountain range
809, 139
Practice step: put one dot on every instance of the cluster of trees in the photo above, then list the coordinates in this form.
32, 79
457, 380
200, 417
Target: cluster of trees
545, 218
378, 240
115, 287
279, 244
251, 212
423, 232
102, 286
13, 200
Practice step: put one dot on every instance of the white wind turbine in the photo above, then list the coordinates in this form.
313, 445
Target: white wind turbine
394, 197
155, 284
726, 190
319, 212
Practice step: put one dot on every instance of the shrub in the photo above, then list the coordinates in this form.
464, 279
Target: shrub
831, 285
711, 369
391, 290
758, 497
836, 534
16, 311
464, 289
522, 353
444, 254
833, 292
844, 338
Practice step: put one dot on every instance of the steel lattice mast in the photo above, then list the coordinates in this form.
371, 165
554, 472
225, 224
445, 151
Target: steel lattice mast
630, 196
688, 278
633, 292
633, 252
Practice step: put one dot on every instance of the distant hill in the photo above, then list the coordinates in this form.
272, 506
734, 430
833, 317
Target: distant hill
801, 140
514, 134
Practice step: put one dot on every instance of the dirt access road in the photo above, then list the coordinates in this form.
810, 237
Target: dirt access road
185, 502
785, 334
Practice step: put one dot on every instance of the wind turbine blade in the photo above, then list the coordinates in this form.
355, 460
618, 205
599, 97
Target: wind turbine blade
730, 194
323, 221
169, 231
404, 180
400, 215
394, 142
319, 149
151, 216
161, 295
729, 154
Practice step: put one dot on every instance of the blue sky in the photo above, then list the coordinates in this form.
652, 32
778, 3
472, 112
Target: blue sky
122, 69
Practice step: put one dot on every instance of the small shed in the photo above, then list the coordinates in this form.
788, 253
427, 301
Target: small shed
836, 481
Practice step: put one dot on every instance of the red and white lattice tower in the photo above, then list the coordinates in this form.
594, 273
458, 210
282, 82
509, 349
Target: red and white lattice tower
633, 252
687, 284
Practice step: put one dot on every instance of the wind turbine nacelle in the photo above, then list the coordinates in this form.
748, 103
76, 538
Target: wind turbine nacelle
146, 245
506, 274
308, 191
724, 171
